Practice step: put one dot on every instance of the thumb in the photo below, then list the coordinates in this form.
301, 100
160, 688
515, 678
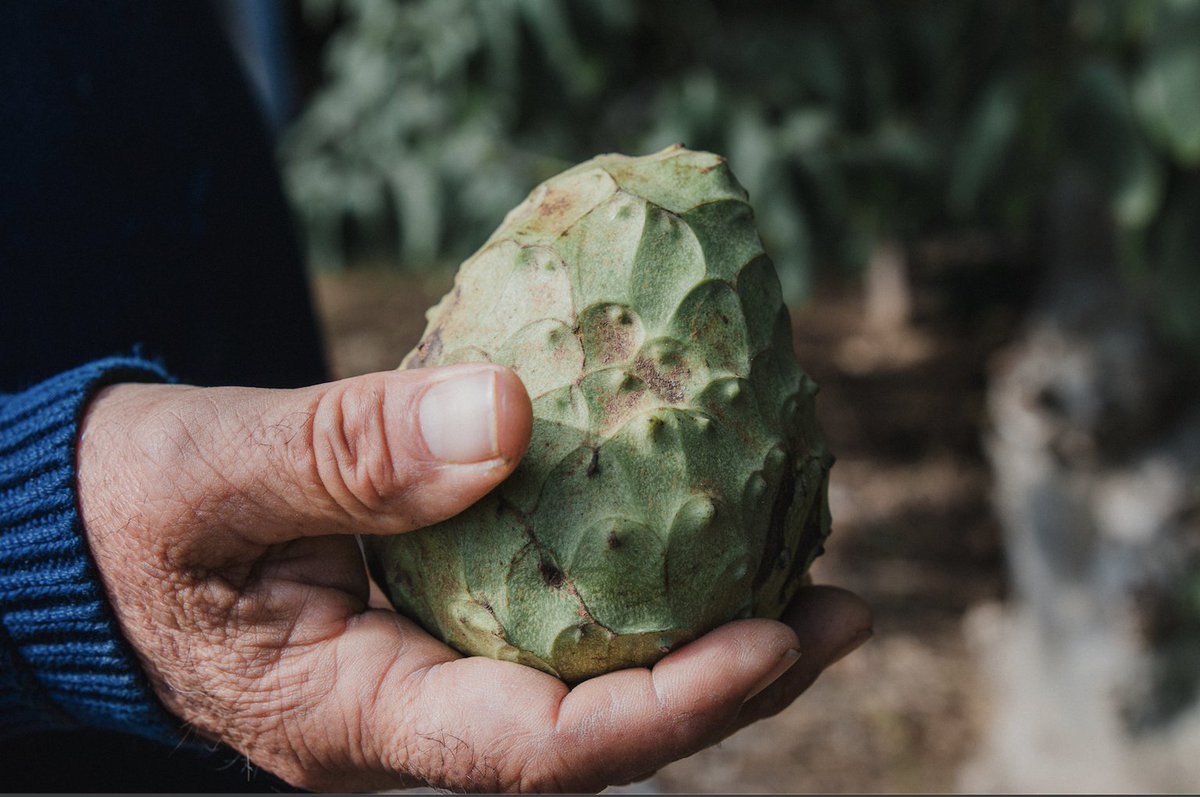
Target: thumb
392, 451
380, 453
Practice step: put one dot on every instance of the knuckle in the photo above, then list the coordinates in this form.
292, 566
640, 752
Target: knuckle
179, 437
352, 459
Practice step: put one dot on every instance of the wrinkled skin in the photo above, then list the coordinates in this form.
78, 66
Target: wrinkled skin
222, 521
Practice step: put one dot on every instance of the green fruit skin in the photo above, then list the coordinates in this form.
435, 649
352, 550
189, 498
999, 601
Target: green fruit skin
676, 477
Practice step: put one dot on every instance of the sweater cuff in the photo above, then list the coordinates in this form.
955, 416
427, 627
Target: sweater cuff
65, 662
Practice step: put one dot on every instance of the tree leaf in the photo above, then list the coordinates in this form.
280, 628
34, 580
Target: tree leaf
990, 131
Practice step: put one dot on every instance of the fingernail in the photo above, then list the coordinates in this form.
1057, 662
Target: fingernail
458, 418
790, 657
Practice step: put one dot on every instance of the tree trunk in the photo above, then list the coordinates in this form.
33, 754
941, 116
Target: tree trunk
1093, 666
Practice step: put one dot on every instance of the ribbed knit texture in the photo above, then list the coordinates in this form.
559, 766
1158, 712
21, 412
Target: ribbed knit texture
63, 661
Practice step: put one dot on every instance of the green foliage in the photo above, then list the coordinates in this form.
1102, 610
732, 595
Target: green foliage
847, 122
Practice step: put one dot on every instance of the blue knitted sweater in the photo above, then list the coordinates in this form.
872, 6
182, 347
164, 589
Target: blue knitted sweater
140, 210
65, 664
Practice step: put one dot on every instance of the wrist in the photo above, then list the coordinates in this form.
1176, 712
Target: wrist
64, 639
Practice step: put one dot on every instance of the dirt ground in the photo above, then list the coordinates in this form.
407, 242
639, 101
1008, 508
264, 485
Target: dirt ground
902, 408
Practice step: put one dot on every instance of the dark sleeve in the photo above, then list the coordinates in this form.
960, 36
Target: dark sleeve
140, 203
140, 209
63, 661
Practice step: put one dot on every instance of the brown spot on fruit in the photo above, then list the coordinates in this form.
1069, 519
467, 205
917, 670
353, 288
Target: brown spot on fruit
554, 203
609, 333
551, 574
667, 384
429, 349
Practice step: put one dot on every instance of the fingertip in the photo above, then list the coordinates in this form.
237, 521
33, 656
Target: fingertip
733, 661
472, 413
830, 622
514, 414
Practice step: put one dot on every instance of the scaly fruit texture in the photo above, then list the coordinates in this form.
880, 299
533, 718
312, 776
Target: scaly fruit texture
676, 477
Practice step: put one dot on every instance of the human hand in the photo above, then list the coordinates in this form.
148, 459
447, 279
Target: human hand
222, 521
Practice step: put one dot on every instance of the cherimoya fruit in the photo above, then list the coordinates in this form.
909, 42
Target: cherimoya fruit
676, 477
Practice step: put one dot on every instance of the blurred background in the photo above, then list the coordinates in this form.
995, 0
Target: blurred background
986, 219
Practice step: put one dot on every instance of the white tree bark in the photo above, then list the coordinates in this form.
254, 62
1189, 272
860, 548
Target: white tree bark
1095, 446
